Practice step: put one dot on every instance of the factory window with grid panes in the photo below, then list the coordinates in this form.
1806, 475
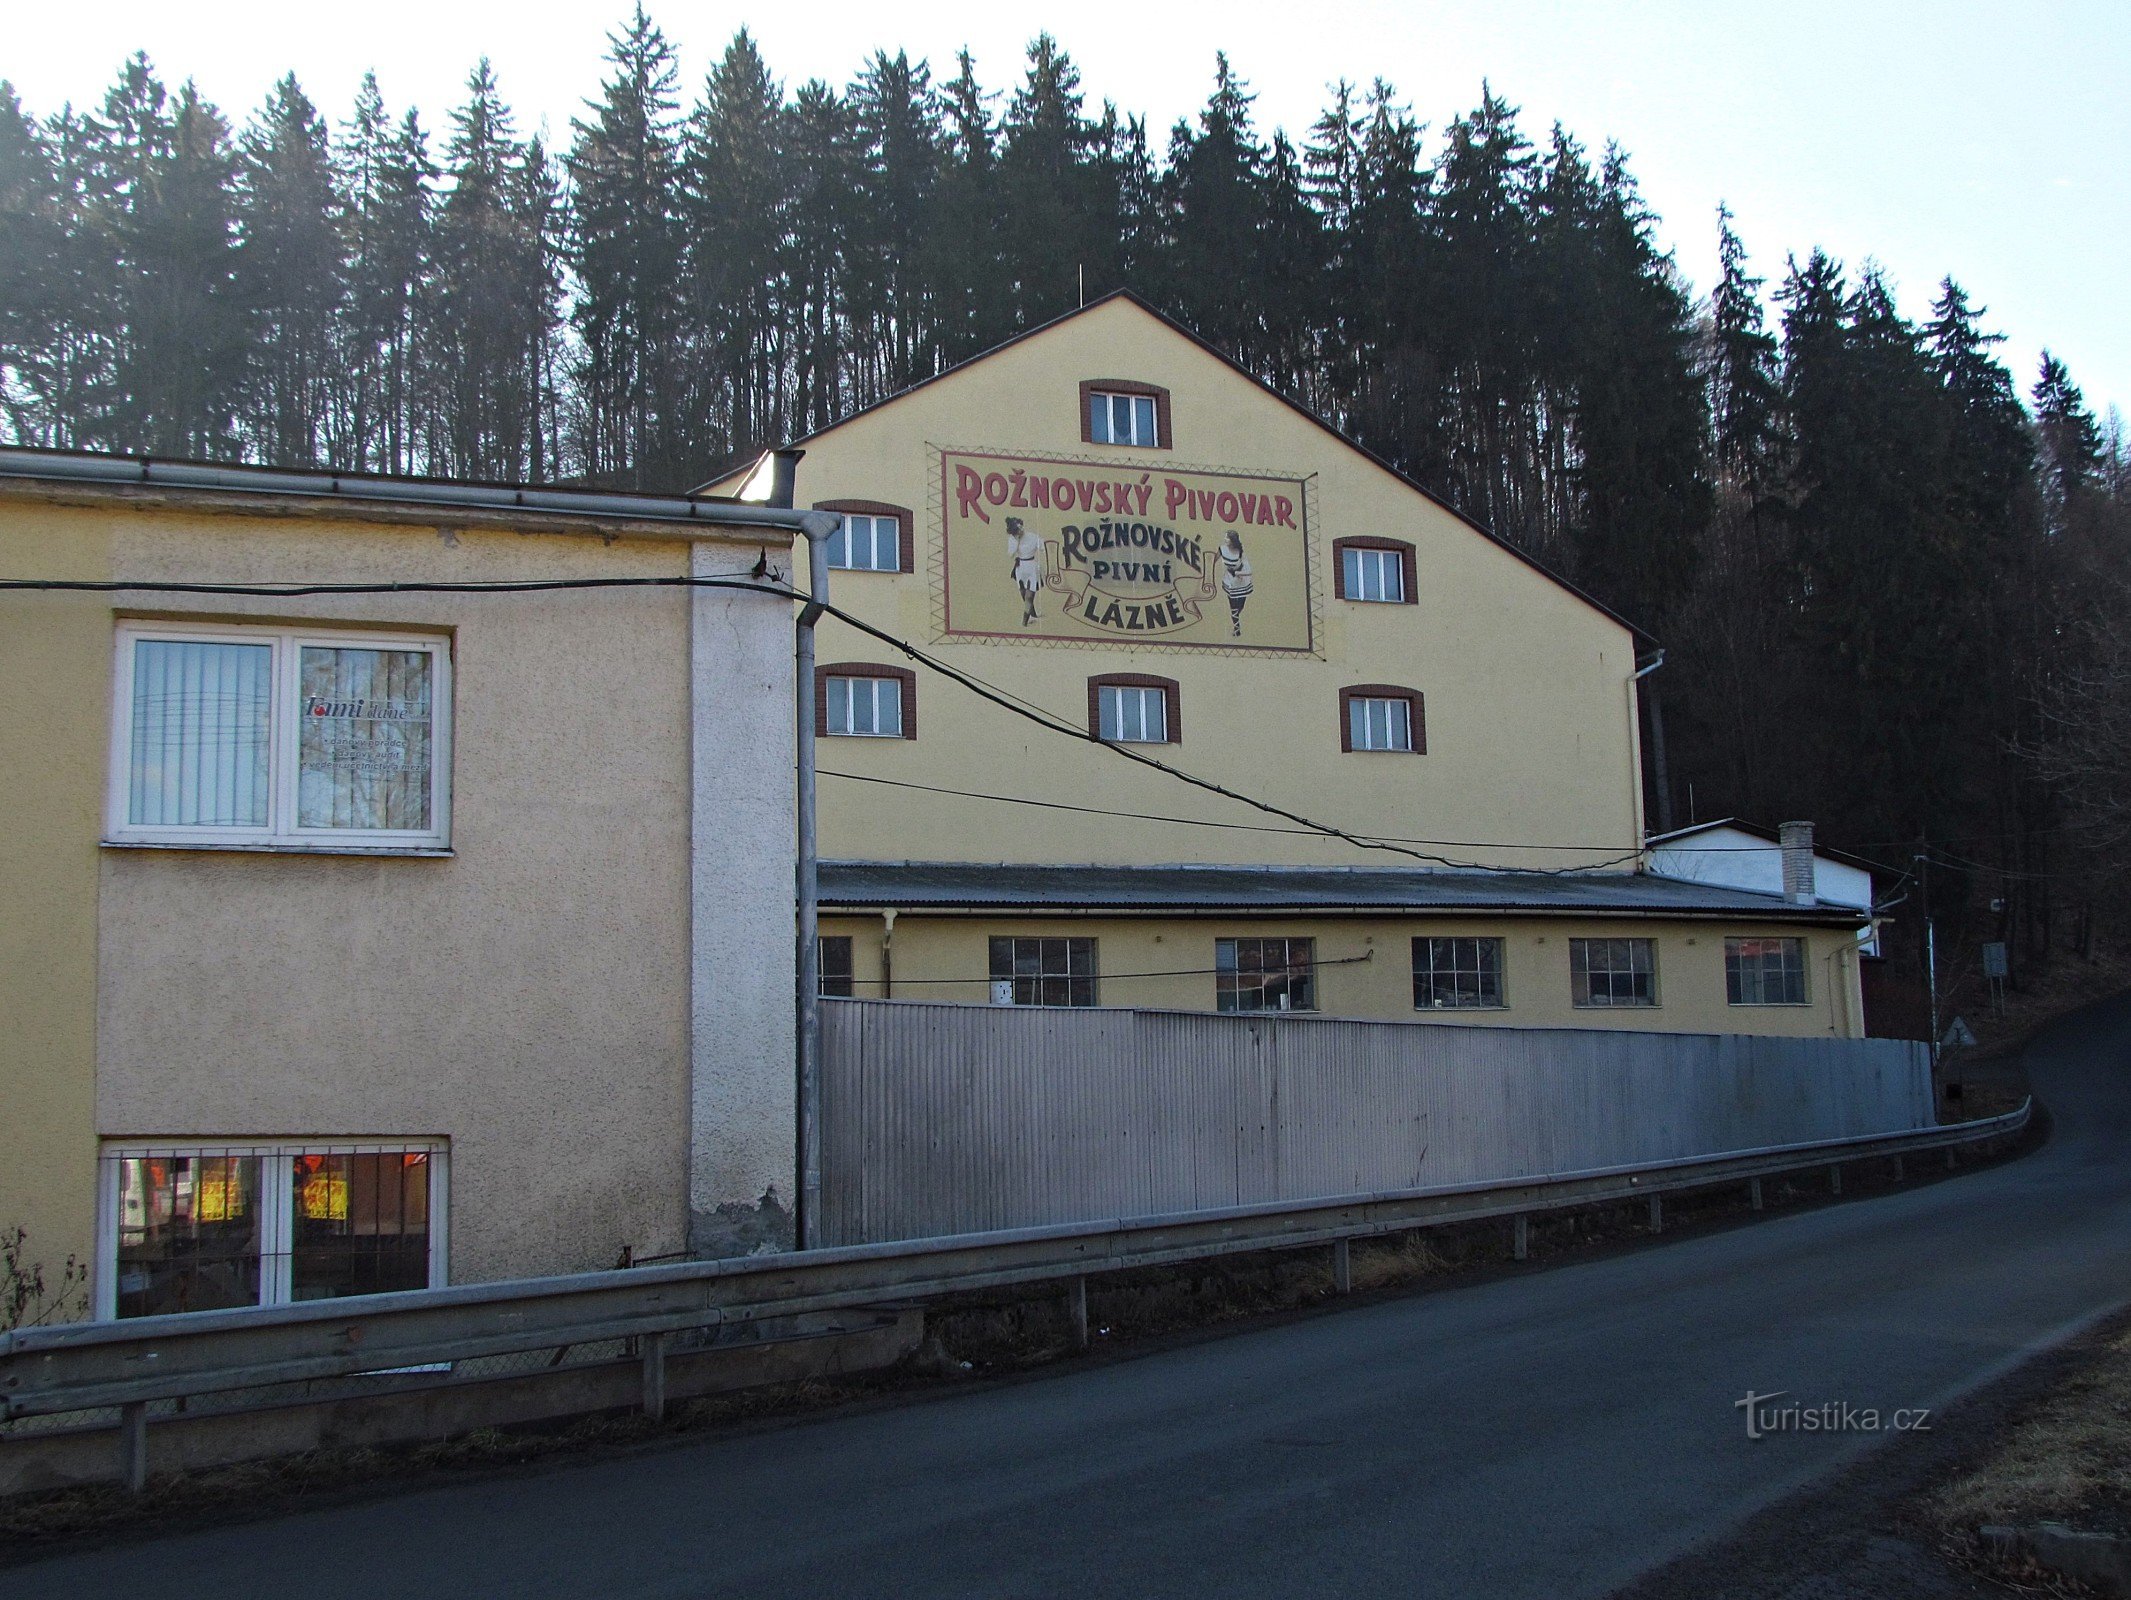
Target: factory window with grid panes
1764, 972
279, 738
207, 1227
1457, 974
835, 971
1613, 972
1042, 972
1265, 974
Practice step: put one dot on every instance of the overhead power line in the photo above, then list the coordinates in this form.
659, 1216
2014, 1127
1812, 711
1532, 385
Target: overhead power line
1049, 721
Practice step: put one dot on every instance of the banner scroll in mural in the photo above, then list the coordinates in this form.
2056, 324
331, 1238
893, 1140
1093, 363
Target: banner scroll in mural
1040, 548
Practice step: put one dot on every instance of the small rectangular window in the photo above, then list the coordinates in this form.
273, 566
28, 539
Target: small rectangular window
864, 542
1265, 974
207, 1228
1134, 714
1122, 419
1457, 974
835, 977
865, 708
1043, 972
1613, 972
1764, 972
1378, 575
1380, 723
279, 737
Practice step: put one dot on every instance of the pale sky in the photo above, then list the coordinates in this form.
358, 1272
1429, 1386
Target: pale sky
1992, 142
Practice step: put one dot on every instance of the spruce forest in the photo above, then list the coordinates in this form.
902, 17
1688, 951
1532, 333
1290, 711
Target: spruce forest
1887, 570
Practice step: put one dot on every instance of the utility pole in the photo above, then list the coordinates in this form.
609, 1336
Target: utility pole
1931, 943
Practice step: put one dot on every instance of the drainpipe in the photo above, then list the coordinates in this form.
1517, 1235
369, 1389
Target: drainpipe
888, 953
1661, 772
806, 1220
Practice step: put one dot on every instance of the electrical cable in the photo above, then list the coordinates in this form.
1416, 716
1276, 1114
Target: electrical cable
900, 981
1006, 700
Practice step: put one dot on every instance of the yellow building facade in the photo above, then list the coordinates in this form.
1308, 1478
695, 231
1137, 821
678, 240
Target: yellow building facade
448, 970
1107, 524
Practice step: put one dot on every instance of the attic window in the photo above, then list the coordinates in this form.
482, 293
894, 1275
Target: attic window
1118, 411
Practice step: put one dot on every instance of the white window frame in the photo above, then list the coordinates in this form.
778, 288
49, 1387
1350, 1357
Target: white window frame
880, 527
284, 721
854, 731
1358, 723
1388, 567
1138, 408
1110, 697
277, 1203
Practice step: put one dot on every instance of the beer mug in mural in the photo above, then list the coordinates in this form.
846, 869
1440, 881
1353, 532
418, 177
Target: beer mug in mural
363, 753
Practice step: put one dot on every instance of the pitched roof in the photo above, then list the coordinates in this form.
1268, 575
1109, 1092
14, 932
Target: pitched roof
1678, 837
1133, 299
1027, 887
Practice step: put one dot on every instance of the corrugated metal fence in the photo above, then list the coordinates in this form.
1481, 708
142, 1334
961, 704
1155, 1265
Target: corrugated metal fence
940, 1119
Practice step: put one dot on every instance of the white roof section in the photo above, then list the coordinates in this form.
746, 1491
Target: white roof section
1734, 855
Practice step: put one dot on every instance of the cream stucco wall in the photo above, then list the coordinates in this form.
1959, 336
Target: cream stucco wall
1530, 714
1364, 966
55, 662
527, 998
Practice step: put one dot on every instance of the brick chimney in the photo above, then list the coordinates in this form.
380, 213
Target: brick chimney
1797, 841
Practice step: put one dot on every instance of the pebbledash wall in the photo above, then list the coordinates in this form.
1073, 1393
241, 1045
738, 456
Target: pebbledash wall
584, 1003
1527, 753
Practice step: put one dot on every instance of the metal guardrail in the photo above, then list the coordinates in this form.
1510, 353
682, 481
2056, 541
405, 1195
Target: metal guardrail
127, 1364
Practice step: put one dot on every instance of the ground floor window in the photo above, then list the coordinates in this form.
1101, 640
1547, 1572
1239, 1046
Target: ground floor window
1613, 972
835, 977
1043, 972
1764, 972
1457, 974
1265, 974
208, 1227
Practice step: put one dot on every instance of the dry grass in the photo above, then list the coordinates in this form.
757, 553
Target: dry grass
2069, 1461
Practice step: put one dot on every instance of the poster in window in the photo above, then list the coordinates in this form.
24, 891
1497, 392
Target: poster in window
1040, 548
363, 752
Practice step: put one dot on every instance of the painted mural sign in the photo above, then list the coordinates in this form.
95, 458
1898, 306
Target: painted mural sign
1036, 547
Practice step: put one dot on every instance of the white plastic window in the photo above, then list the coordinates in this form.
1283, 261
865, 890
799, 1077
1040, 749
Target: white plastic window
1374, 575
867, 543
866, 708
1122, 419
1380, 723
206, 1227
280, 738
1134, 714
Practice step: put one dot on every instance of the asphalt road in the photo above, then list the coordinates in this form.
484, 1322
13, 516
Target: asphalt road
1555, 1433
